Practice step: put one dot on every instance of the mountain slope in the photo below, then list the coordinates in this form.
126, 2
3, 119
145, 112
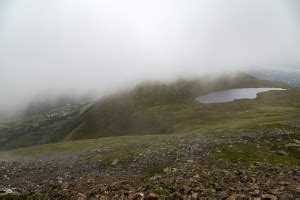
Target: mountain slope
40, 126
157, 108
236, 150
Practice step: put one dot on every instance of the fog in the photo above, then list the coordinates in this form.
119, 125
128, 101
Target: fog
98, 46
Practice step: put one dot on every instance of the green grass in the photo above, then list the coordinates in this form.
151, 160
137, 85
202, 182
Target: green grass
118, 147
156, 170
125, 153
249, 154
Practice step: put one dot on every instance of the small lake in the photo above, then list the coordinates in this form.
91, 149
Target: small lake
233, 94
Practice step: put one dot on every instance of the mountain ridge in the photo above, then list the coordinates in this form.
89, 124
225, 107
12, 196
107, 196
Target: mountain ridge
133, 112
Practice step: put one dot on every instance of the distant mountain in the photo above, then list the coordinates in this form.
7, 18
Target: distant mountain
290, 75
37, 106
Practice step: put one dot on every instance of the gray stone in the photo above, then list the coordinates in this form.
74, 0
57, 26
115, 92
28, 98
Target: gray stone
291, 145
195, 195
282, 153
115, 162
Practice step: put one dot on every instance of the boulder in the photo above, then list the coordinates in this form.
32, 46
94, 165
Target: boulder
268, 197
292, 145
152, 196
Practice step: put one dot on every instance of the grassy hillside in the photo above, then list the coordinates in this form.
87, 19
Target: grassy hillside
157, 108
209, 164
153, 108
170, 146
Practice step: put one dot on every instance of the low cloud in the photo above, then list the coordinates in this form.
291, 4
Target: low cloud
96, 47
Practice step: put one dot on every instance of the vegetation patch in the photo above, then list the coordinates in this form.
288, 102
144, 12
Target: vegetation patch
250, 153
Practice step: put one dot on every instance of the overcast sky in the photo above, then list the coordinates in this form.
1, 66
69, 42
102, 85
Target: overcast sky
100, 45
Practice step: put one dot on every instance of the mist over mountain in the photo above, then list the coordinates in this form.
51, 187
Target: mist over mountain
100, 47
149, 99
290, 75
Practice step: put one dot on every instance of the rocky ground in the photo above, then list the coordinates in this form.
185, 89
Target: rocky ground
246, 164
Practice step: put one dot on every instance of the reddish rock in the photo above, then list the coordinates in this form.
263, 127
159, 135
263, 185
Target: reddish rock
152, 196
